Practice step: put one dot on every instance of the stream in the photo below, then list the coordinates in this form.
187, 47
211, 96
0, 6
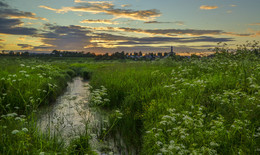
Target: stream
68, 116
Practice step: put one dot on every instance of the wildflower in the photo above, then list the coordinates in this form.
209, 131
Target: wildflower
159, 130
14, 132
41, 153
24, 129
164, 150
106, 100
159, 143
214, 144
157, 135
17, 118
22, 65
22, 116
11, 115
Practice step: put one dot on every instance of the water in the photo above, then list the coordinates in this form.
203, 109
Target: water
68, 116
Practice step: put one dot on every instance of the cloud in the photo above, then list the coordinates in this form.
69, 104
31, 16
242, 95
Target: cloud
237, 34
11, 26
126, 5
2, 4
65, 37
256, 33
96, 7
7, 12
25, 45
255, 24
229, 11
81, 38
160, 40
208, 7
100, 21
1, 40
157, 22
166, 32
98, 2
170, 32
2, 46
43, 47
49, 8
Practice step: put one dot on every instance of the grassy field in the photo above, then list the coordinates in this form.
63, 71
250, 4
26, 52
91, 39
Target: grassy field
193, 106
200, 106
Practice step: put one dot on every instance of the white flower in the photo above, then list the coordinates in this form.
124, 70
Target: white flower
14, 132
214, 144
159, 143
24, 129
11, 115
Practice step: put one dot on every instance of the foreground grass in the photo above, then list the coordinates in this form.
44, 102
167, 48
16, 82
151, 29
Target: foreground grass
194, 106
206, 106
26, 84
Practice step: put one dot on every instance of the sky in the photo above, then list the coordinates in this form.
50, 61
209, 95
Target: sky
127, 25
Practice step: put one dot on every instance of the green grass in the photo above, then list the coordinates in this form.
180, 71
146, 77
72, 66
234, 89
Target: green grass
197, 106
25, 85
192, 106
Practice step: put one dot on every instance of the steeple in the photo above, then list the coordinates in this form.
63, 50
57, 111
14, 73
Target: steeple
171, 49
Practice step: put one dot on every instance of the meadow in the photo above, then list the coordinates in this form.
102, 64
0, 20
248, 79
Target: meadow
167, 106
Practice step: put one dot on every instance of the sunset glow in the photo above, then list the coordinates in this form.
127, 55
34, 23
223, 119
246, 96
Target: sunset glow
126, 25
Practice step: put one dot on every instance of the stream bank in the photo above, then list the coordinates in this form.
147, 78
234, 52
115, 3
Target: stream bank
71, 115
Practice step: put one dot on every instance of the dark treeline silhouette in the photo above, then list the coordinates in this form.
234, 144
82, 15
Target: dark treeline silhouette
113, 56
249, 50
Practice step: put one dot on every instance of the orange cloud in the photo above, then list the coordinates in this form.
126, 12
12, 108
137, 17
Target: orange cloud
207, 7
257, 24
96, 7
99, 21
255, 32
126, 5
48, 8
27, 17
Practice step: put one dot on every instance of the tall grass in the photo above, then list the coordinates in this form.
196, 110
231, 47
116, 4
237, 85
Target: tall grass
193, 106
26, 84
